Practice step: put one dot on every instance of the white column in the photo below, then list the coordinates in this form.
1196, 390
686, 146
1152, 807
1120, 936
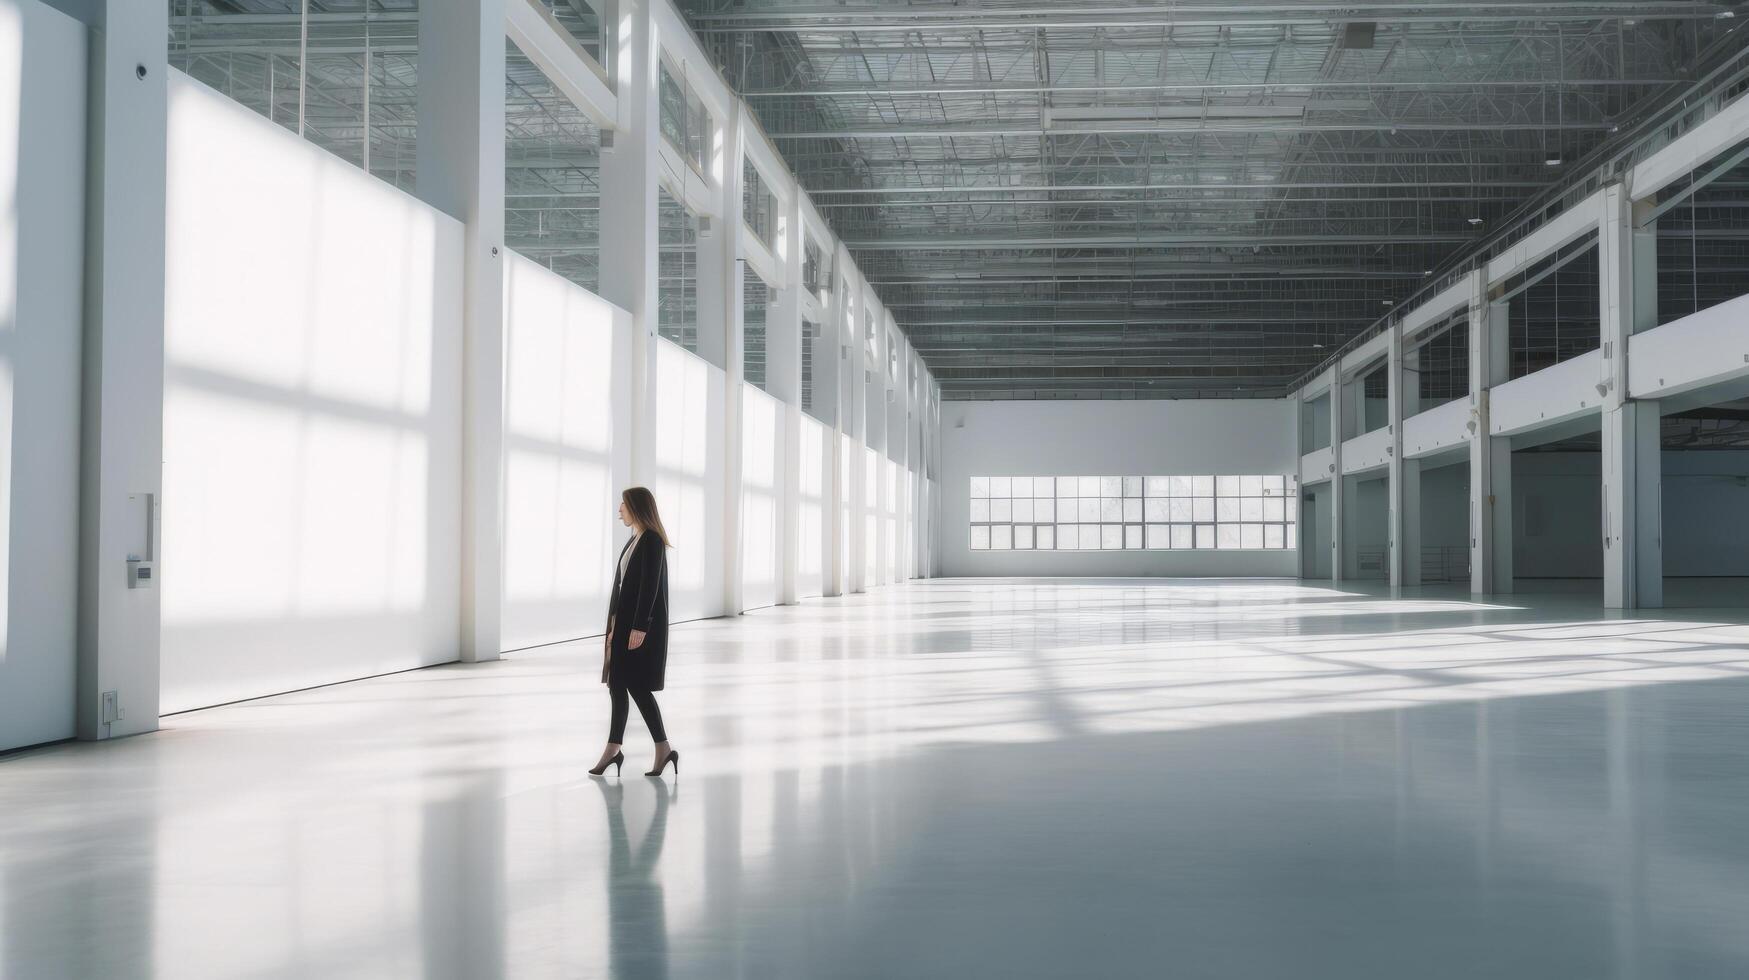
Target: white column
1338, 488
1633, 554
830, 376
1404, 532
1490, 458
783, 381
630, 243
723, 252
461, 172
856, 426
122, 425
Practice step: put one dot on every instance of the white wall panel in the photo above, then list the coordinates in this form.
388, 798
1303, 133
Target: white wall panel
1558, 393
689, 479
1441, 427
810, 537
560, 530
42, 149
761, 470
312, 425
871, 516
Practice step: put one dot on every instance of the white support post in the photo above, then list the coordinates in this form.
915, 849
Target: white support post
783, 380
1404, 532
122, 424
1633, 558
461, 172
729, 291
629, 266
1490, 458
1338, 488
833, 364
856, 380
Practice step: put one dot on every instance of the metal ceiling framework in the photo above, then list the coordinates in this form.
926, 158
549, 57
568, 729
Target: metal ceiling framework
1182, 199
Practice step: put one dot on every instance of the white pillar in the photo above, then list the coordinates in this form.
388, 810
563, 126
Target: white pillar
1490, 458
630, 241
1404, 533
1338, 490
783, 381
855, 425
834, 358
1633, 554
723, 252
122, 424
461, 172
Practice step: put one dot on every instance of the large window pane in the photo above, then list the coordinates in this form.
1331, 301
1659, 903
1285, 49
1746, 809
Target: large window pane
1236, 512
677, 273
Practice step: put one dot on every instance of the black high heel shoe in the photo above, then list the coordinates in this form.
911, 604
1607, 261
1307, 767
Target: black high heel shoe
674, 757
618, 760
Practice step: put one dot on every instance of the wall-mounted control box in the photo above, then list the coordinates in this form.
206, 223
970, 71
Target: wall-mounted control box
141, 574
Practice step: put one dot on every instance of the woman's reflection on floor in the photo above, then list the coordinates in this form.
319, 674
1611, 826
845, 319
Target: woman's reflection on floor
637, 924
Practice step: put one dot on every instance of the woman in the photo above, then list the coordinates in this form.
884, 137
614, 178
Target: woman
636, 656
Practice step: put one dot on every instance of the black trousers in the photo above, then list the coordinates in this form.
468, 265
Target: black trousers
616, 733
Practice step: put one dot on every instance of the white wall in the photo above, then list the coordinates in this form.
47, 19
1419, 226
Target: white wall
312, 425
1108, 438
689, 479
761, 472
811, 523
42, 188
560, 530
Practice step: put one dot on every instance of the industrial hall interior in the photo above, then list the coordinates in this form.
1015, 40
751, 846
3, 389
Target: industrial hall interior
865, 489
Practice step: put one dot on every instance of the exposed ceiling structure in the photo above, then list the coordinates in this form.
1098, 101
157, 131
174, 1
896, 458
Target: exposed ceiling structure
1121, 199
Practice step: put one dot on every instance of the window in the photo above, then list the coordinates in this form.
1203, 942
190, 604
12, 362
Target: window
685, 121
754, 296
813, 268
591, 23
758, 204
1133, 513
552, 213
814, 350
677, 272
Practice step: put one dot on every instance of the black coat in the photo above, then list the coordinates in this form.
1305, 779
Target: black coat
639, 602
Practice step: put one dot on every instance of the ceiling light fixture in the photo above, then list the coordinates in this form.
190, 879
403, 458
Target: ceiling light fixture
1475, 221
1553, 160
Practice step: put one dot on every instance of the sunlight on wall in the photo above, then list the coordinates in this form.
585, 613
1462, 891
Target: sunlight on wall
559, 497
890, 519
810, 555
689, 479
871, 517
761, 468
908, 544
846, 520
312, 427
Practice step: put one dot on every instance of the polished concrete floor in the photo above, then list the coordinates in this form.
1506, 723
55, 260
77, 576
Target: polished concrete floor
960, 778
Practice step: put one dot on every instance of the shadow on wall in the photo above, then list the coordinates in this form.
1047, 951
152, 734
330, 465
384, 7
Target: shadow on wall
312, 415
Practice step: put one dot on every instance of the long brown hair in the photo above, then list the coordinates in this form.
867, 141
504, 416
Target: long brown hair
641, 503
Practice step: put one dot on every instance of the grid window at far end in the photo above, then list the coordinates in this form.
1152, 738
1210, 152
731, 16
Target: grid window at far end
1134, 513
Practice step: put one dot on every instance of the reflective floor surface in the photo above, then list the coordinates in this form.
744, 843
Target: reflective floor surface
959, 778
